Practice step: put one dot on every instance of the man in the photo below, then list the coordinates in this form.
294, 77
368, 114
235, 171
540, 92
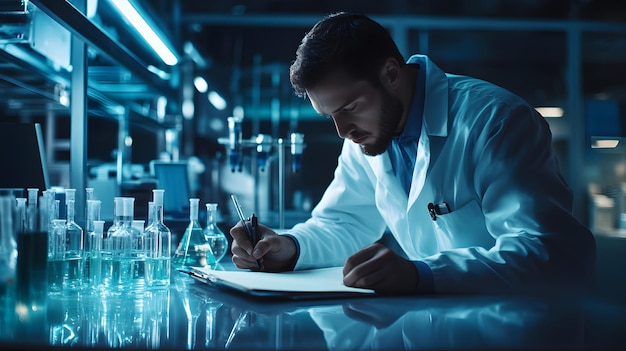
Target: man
458, 170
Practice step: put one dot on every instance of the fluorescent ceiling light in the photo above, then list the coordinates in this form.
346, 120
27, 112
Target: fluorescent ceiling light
143, 28
217, 100
201, 84
550, 111
604, 143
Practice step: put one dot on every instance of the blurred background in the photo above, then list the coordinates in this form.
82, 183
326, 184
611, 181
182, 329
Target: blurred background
194, 96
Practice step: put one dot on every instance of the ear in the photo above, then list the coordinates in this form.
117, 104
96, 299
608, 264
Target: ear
390, 73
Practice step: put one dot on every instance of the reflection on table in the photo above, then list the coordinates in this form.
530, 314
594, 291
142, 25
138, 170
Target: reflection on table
190, 315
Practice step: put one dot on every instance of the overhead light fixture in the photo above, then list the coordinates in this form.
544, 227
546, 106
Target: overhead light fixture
217, 100
195, 55
201, 85
142, 27
550, 112
602, 143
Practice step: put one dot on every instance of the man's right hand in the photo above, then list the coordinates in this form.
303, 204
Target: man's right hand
276, 253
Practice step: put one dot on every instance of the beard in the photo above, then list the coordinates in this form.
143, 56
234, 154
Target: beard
390, 116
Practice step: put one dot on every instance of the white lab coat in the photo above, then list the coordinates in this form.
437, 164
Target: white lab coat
487, 154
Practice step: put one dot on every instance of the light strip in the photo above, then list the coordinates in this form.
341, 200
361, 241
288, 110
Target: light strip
201, 85
217, 100
149, 35
604, 144
550, 111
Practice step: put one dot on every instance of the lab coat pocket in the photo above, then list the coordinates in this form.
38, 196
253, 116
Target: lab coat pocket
463, 227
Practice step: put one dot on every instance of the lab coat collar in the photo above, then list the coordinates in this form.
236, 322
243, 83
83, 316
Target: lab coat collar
435, 117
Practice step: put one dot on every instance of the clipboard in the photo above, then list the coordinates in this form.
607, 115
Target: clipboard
322, 283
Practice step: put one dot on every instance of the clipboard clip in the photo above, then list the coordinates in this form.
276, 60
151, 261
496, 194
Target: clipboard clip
438, 209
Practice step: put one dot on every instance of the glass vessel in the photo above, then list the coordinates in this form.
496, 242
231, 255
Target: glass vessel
215, 236
74, 251
194, 249
159, 237
93, 242
117, 246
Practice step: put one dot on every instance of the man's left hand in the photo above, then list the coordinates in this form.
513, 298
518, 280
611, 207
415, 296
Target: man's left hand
379, 268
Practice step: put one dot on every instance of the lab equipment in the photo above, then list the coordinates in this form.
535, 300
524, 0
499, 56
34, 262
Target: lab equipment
215, 236
194, 249
160, 239
31, 210
8, 246
56, 255
93, 243
93, 252
118, 207
264, 145
263, 148
74, 251
20, 215
32, 248
297, 147
234, 141
117, 249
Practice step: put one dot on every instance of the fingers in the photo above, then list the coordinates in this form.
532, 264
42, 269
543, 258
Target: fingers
242, 248
363, 269
379, 268
240, 239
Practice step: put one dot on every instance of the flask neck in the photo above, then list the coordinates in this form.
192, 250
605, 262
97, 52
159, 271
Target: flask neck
70, 211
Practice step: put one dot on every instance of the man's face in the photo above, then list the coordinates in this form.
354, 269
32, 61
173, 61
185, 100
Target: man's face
366, 114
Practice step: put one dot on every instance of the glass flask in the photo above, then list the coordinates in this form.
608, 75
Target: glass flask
116, 252
214, 235
93, 242
194, 249
74, 251
117, 217
159, 237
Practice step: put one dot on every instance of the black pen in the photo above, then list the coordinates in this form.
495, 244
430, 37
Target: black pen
253, 229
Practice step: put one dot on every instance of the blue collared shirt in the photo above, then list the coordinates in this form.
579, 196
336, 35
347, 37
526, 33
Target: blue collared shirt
402, 153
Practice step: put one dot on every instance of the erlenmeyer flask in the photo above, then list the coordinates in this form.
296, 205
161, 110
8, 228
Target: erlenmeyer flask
194, 249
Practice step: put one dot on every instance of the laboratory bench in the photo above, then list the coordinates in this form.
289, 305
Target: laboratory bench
192, 315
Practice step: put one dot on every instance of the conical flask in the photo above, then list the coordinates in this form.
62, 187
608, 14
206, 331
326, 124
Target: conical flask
194, 249
215, 236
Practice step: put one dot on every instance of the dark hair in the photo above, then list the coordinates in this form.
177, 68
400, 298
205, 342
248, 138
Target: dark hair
352, 42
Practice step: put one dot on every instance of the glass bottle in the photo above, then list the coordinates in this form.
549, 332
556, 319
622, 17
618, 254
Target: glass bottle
160, 238
74, 250
95, 250
215, 236
93, 242
139, 249
20, 215
194, 249
8, 245
117, 217
32, 210
56, 252
116, 251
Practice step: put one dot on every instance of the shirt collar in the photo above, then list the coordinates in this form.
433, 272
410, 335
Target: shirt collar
413, 125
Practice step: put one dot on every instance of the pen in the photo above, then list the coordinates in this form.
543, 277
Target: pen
251, 232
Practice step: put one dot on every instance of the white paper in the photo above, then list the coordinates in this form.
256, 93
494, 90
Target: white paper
312, 280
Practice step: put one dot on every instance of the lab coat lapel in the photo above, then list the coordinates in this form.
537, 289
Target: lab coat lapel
422, 162
434, 123
386, 181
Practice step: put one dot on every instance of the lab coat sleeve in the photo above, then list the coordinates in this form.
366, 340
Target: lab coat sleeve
527, 209
345, 220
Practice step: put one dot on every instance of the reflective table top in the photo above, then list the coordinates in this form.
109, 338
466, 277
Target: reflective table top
191, 315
